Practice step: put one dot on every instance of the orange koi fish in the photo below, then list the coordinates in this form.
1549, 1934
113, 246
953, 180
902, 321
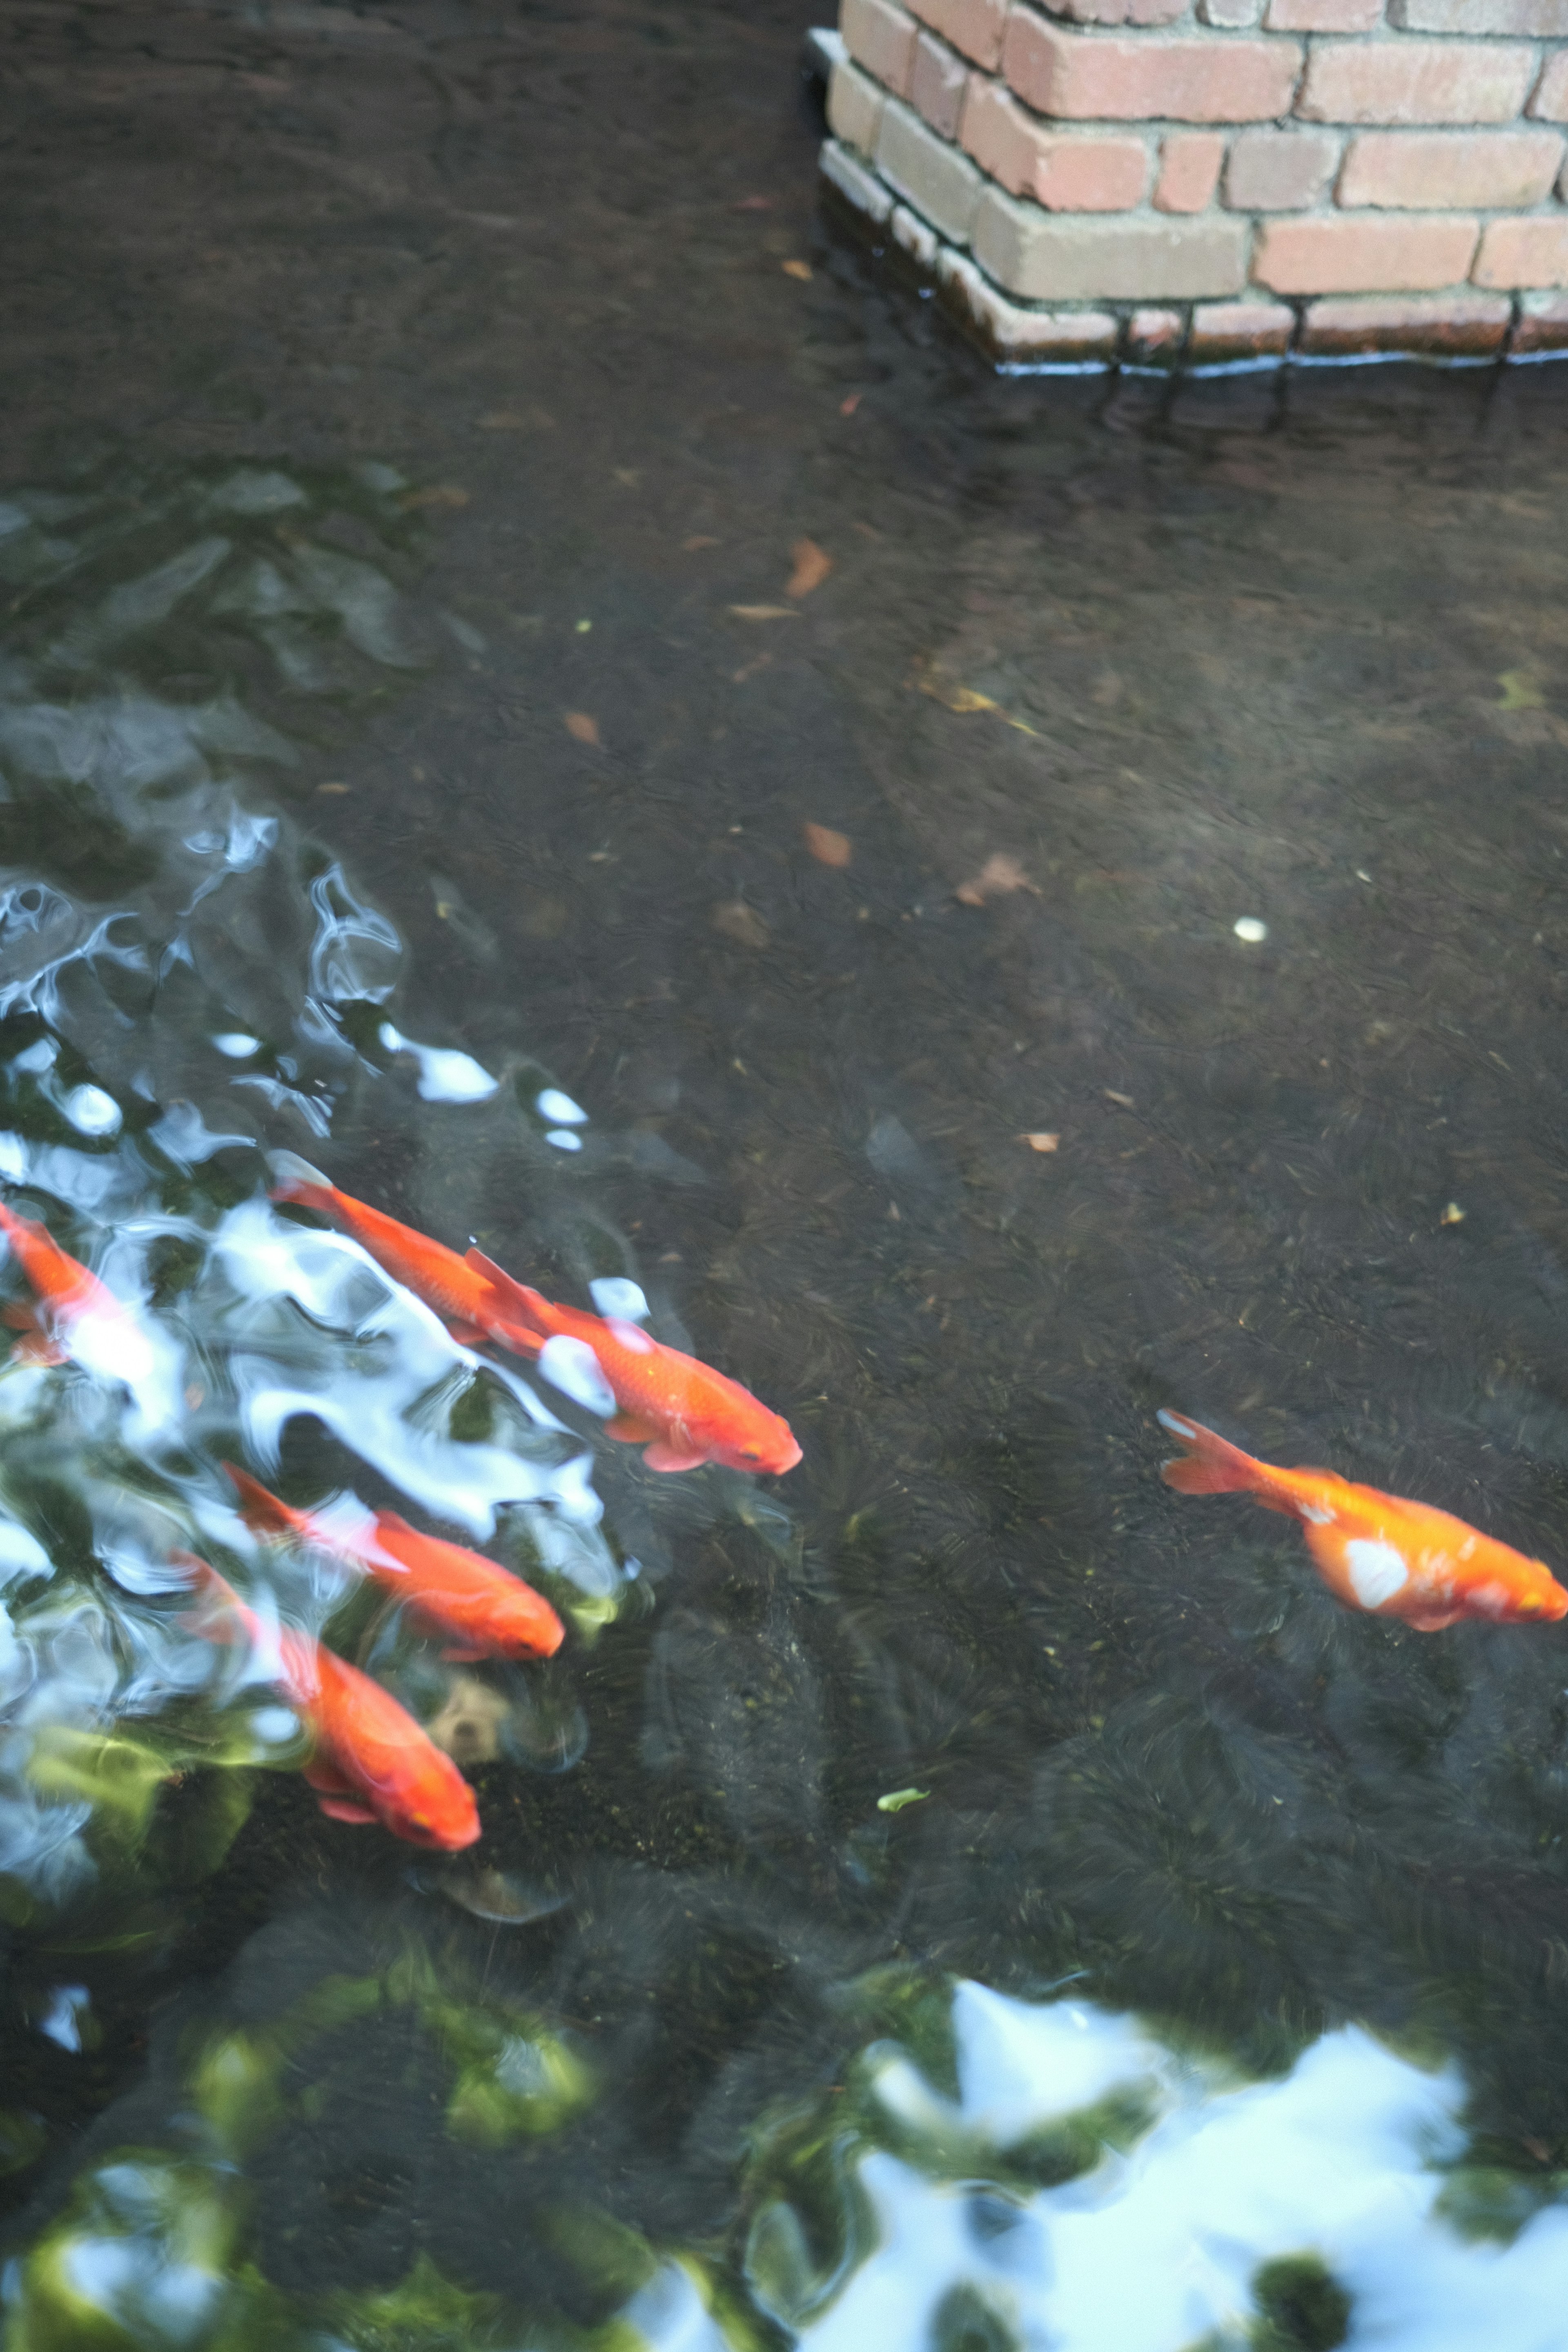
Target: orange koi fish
371, 1761
77, 1316
683, 1411
482, 1609
1375, 1552
461, 1295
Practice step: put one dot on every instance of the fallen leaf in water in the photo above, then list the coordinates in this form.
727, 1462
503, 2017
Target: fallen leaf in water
764, 612
801, 269
1112, 1095
467, 1725
1520, 691
741, 923
847, 407
961, 698
1040, 1142
812, 566
1452, 1215
829, 848
997, 878
754, 205
897, 1799
439, 494
331, 788
699, 539
581, 728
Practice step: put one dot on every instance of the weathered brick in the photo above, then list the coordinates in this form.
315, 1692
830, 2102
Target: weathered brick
1223, 333
1365, 254
938, 80
1230, 15
1120, 12
942, 185
880, 37
1455, 326
1444, 168
1550, 103
1189, 171
919, 239
1067, 172
974, 26
1073, 339
1154, 338
1182, 79
1280, 171
1533, 19
854, 104
1523, 252
853, 181
1049, 257
1542, 326
1414, 81
1323, 16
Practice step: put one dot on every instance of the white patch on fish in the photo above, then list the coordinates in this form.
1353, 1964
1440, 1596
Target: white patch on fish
1377, 1572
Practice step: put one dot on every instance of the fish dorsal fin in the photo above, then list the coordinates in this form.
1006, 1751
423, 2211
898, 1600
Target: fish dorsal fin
515, 1296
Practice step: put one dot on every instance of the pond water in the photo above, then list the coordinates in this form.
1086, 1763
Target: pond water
467, 512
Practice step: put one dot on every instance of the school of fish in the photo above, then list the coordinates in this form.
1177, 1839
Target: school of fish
371, 1761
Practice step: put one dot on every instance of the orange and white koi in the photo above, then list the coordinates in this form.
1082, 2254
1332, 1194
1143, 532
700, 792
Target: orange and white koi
372, 1762
76, 1318
682, 1409
1376, 1552
461, 1294
480, 1608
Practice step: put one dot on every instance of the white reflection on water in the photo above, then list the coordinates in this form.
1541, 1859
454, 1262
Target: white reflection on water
445, 1075
1155, 2250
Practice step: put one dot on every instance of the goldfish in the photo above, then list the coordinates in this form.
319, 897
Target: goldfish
462, 1296
372, 1762
682, 1409
77, 1317
1376, 1552
482, 1609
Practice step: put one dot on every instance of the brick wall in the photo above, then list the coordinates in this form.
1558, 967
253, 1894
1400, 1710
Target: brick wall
1218, 182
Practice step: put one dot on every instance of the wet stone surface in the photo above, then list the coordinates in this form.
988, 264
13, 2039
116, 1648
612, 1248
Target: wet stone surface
466, 514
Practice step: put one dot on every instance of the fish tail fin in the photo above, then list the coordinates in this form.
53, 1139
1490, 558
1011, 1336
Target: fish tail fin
261, 1511
219, 1613
523, 1310
294, 1179
1208, 1465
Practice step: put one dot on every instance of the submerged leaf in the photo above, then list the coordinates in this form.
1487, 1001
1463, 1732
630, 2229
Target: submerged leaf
812, 566
581, 728
829, 848
897, 1799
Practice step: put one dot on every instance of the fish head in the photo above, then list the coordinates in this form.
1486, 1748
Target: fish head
1541, 1599
762, 1441
441, 1816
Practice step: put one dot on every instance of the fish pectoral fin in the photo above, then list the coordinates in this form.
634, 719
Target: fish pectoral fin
346, 1808
324, 1777
630, 1429
666, 1456
35, 1347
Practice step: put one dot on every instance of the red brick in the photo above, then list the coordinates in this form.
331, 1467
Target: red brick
1153, 338
1453, 326
1523, 252
1550, 103
881, 37
1542, 325
974, 26
1416, 81
1182, 79
1530, 18
938, 80
1366, 253
1189, 171
854, 104
1224, 332
1444, 168
1065, 172
1323, 16
1067, 258
1280, 171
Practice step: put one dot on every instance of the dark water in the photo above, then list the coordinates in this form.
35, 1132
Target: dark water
382, 387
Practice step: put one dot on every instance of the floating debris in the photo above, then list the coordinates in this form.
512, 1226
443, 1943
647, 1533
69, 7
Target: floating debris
812, 566
1248, 927
897, 1799
1452, 1215
1038, 1141
829, 848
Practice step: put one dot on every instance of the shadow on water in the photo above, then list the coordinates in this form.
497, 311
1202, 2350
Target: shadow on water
409, 713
